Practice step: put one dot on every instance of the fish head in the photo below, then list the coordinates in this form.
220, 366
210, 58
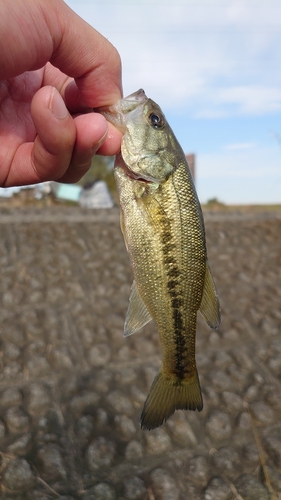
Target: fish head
149, 146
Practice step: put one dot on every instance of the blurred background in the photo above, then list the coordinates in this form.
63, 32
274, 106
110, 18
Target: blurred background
71, 387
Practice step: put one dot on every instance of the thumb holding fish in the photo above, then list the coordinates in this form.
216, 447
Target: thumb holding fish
54, 69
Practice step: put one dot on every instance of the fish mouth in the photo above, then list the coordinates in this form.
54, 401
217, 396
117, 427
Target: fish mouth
116, 114
132, 101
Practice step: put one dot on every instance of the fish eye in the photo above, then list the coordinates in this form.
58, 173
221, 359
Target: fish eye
156, 121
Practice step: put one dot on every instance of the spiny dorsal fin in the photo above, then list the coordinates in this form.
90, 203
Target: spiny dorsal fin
137, 314
210, 306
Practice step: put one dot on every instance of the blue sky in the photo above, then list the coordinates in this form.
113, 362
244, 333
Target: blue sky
214, 66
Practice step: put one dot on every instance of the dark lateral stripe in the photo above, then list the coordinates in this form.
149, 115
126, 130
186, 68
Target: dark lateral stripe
174, 291
180, 341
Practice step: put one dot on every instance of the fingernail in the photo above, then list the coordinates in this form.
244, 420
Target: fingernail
57, 106
98, 144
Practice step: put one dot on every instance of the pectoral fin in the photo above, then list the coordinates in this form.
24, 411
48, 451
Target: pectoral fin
137, 314
122, 225
210, 306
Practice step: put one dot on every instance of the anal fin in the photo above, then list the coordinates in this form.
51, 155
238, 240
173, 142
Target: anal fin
210, 306
137, 314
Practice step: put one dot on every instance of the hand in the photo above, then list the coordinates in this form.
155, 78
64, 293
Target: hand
54, 68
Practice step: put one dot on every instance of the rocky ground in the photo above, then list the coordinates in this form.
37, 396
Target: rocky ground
72, 388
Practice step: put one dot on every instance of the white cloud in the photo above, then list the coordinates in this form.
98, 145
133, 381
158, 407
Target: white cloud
212, 57
249, 100
252, 99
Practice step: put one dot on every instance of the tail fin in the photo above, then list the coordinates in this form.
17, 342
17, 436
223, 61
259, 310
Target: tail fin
166, 396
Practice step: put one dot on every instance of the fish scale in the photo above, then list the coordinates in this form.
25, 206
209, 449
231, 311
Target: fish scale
182, 304
163, 228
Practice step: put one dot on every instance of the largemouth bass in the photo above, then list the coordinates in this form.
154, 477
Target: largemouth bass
163, 228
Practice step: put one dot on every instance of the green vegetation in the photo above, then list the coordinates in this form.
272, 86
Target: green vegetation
101, 170
214, 202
